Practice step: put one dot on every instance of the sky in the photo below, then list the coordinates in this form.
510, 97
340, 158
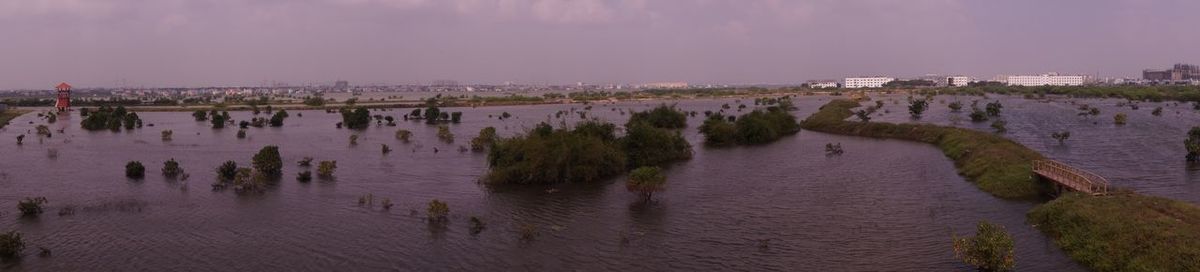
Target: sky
194, 43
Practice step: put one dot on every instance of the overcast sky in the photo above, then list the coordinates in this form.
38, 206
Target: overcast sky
160, 43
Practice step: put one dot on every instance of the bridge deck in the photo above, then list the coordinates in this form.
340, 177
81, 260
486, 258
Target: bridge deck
1071, 177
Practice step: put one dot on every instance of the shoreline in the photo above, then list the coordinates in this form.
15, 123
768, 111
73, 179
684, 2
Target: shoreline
1123, 231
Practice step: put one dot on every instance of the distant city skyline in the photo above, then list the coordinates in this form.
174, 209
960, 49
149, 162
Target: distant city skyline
188, 43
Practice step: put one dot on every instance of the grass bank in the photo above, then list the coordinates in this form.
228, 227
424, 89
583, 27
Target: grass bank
1124, 231
997, 165
10, 114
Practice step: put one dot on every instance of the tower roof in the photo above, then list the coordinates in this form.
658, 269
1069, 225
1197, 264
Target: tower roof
62, 86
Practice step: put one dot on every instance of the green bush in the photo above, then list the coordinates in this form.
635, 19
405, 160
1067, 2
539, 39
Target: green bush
437, 211
358, 118
546, 155
663, 116
11, 245
1123, 231
646, 181
325, 168
646, 145
718, 131
227, 171
135, 169
268, 162
31, 206
487, 137
991, 249
171, 168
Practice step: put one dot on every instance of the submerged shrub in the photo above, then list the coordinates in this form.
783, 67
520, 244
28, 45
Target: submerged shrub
31, 206
646, 145
227, 170
545, 155
487, 137
304, 176
438, 211
1061, 136
171, 168
325, 168
135, 169
167, 134
267, 162
662, 116
1192, 143
444, 133
991, 249
11, 245
403, 135
978, 115
917, 107
646, 181
358, 118
1120, 118
718, 131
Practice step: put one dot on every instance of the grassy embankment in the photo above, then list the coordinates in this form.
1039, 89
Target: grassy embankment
8, 115
997, 165
1124, 231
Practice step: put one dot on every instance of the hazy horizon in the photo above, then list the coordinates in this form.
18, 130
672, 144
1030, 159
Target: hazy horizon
180, 43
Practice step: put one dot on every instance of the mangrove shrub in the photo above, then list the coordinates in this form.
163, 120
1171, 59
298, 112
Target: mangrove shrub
991, 249
588, 152
135, 169
646, 181
268, 162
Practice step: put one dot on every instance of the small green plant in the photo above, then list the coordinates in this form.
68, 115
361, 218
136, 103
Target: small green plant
646, 181
832, 149
917, 107
403, 135
1120, 119
353, 139
386, 204
993, 109
527, 232
227, 171
978, 115
1000, 126
241, 134
991, 249
171, 168
11, 245
1192, 143
305, 162
304, 176
1157, 111
1061, 136
366, 200
325, 168
444, 134
477, 225
167, 134
955, 106
31, 206
135, 170
437, 211
487, 137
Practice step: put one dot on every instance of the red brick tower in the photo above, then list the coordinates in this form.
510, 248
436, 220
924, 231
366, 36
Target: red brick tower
64, 97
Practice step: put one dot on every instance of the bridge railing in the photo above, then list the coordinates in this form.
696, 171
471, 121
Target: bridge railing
1077, 179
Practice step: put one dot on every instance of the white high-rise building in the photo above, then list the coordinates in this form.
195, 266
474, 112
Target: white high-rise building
866, 82
1046, 80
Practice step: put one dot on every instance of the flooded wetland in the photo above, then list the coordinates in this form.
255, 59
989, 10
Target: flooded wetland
882, 205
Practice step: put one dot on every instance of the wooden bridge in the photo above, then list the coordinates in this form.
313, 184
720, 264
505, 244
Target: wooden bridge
1070, 177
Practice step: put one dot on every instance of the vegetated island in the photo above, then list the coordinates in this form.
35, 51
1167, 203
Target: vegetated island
8, 115
1123, 231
